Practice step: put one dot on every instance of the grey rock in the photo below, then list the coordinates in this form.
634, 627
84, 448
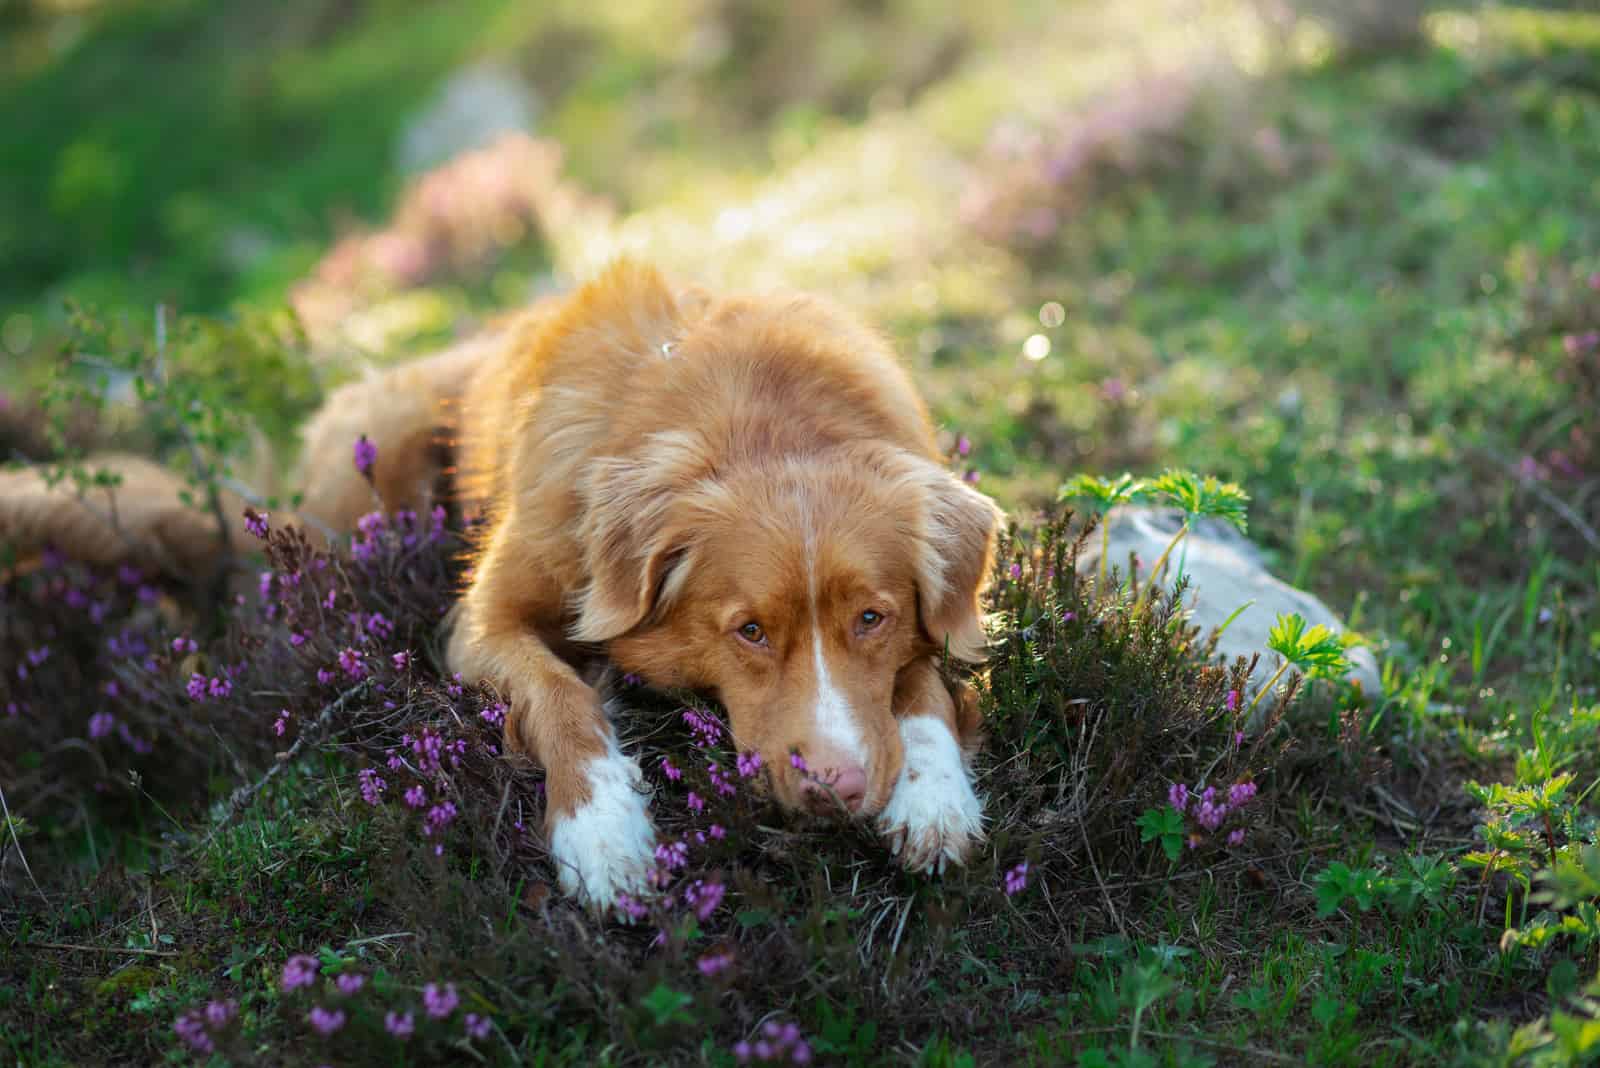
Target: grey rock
1226, 570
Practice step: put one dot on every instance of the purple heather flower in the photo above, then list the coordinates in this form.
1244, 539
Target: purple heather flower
440, 1002
366, 454
399, 1025
1178, 796
1233, 701
1016, 572
477, 1026
218, 1013
696, 803
219, 687
192, 1030
372, 786
494, 714
350, 983
184, 645
632, 907
438, 818
714, 963
749, 763
101, 724
971, 477
351, 663
324, 676
1017, 879
717, 831
196, 687
798, 762
1210, 816
704, 726
280, 726
724, 787
326, 1021
963, 445
672, 855
298, 971
401, 660
704, 897
255, 522
1236, 838
416, 797
1240, 793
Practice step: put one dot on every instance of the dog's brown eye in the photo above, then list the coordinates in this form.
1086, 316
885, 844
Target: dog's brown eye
752, 633
870, 619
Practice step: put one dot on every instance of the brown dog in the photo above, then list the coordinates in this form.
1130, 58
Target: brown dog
740, 496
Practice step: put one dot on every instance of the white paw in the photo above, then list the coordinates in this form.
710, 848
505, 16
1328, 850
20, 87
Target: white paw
607, 846
933, 817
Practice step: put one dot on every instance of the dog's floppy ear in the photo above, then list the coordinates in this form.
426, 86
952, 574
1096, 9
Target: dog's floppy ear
959, 526
638, 536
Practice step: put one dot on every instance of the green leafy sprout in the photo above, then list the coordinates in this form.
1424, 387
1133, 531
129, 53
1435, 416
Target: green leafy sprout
1106, 494
1315, 651
1197, 497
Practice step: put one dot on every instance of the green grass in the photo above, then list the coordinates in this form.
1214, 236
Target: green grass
1366, 335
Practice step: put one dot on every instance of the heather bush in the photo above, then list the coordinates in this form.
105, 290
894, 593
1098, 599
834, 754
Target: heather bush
1096, 707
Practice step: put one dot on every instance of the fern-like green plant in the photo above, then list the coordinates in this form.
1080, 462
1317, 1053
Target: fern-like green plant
1197, 497
1105, 494
1316, 652
1208, 496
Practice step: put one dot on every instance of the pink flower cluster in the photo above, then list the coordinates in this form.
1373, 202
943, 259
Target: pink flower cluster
1016, 880
778, 1042
299, 971
372, 786
201, 688
1208, 811
458, 217
196, 1029
704, 726
255, 522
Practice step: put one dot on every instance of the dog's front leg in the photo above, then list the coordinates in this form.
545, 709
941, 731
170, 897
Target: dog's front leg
934, 817
597, 818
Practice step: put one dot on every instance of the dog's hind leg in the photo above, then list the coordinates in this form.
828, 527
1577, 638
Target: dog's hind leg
141, 519
408, 413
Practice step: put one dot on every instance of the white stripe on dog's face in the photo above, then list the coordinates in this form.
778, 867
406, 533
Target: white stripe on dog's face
836, 721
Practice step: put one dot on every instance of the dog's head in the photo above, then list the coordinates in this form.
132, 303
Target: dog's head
794, 591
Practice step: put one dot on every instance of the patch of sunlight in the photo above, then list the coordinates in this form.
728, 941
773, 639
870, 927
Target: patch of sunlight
869, 215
